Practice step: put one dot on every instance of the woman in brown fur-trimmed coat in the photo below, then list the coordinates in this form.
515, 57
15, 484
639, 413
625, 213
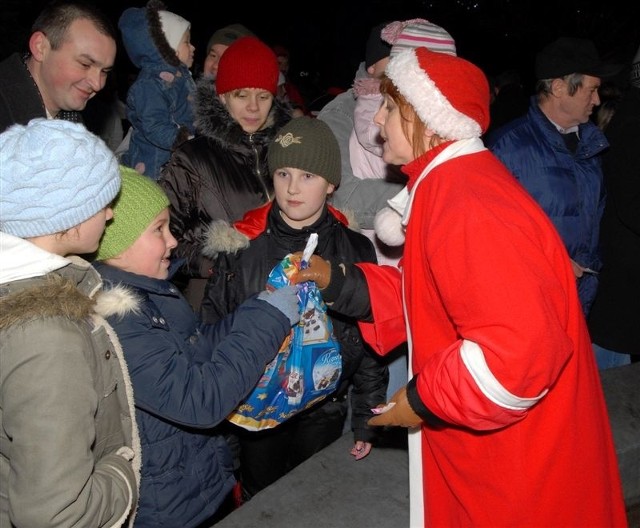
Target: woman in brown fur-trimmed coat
222, 173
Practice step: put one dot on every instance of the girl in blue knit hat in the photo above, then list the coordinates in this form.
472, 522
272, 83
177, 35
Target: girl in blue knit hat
69, 448
187, 376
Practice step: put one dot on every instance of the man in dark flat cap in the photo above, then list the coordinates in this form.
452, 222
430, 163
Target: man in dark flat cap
555, 151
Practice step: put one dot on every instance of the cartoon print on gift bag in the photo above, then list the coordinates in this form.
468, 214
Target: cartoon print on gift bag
308, 365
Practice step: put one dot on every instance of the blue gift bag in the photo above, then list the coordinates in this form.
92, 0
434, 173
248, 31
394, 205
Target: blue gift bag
308, 365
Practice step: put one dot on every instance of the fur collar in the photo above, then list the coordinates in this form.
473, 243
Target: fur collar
223, 237
213, 120
117, 301
57, 296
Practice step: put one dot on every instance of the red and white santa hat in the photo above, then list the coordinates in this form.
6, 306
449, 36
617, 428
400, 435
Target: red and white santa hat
450, 95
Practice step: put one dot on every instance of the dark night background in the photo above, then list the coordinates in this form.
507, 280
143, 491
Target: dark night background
326, 38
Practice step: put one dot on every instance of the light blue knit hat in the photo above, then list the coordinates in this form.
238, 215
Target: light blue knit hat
54, 175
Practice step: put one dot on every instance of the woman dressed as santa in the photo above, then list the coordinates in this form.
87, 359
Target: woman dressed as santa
508, 424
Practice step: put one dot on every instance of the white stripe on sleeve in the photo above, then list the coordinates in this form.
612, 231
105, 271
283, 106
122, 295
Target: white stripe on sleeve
474, 360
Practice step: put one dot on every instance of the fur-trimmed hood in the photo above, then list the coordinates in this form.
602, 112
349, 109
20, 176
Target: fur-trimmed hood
224, 237
214, 121
125, 293
49, 296
144, 40
36, 284
43, 288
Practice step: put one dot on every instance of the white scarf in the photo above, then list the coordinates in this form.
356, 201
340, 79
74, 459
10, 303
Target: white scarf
390, 222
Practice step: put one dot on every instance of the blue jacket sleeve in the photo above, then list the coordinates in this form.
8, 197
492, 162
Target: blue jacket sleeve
199, 387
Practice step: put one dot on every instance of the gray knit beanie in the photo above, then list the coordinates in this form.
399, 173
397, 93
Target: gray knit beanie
228, 35
308, 144
54, 175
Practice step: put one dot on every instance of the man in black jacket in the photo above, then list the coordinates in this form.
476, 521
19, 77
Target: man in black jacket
614, 316
72, 48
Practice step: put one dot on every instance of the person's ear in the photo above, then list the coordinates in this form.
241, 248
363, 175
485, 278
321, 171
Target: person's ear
330, 188
558, 87
38, 45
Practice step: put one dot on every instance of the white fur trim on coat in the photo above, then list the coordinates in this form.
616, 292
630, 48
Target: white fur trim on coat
117, 301
388, 227
135, 456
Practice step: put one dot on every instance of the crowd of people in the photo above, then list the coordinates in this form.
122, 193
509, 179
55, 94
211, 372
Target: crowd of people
477, 277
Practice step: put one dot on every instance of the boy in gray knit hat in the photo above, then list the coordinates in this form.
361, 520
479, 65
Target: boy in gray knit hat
304, 160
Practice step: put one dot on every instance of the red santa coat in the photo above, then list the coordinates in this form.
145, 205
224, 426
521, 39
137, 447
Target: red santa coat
501, 351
